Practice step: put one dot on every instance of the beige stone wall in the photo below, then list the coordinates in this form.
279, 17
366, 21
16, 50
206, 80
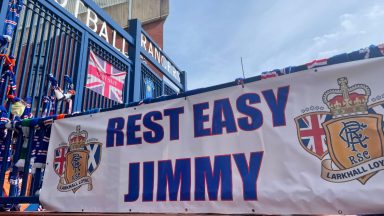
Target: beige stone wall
146, 11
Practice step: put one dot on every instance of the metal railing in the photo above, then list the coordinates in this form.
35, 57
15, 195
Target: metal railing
52, 49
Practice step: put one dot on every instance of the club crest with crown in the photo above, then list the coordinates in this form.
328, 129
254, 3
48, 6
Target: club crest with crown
76, 161
348, 139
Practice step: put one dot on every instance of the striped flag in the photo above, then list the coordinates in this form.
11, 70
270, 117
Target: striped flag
316, 63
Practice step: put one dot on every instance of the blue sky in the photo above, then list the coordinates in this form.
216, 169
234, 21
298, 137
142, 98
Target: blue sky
206, 38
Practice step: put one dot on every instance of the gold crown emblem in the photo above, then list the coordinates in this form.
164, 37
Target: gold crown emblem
77, 139
347, 100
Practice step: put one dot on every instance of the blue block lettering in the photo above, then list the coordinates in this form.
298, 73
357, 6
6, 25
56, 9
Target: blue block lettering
249, 173
132, 127
222, 109
174, 121
277, 104
253, 114
148, 175
149, 122
199, 118
221, 172
133, 183
115, 135
180, 178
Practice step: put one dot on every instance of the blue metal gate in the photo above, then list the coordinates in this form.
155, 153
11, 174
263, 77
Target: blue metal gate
51, 47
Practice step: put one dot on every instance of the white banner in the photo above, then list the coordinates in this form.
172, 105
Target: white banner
306, 143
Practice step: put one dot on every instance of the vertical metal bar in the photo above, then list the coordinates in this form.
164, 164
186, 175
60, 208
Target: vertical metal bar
32, 61
74, 59
103, 102
94, 98
183, 79
45, 64
13, 45
99, 101
58, 55
26, 54
84, 101
162, 86
16, 156
89, 105
134, 52
54, 45
39, 60
59, 48
80, 77
86, 107
65, 72
142, 93
96, 101
62, 65
126, 85
27, 161
18, 59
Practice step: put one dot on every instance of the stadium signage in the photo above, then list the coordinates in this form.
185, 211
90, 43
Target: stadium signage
98, 25
156, 52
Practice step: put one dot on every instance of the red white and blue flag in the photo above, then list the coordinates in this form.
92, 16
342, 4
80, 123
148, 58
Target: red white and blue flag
312, 134
317, 63
103, 78
59, 161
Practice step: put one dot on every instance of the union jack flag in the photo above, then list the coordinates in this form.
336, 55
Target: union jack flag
312, 134
105, 79
59, 161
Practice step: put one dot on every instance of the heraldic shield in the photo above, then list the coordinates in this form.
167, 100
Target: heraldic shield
76, 162
354, 140
76, 167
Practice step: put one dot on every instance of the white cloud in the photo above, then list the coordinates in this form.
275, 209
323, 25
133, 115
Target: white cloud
377, 11
207, 39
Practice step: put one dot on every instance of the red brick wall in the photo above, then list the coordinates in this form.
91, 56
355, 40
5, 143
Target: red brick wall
155, 30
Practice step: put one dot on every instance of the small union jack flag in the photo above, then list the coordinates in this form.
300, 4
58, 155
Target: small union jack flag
312, 134
105, 79
59, 161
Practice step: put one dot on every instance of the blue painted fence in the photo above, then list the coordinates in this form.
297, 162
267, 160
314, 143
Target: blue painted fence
50, 40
